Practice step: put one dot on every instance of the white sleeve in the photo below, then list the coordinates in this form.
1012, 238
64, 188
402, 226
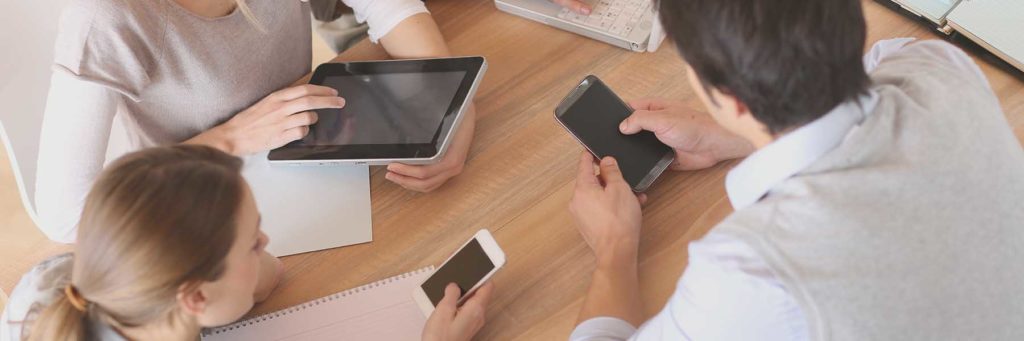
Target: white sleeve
384, 15
72, 149
727, 292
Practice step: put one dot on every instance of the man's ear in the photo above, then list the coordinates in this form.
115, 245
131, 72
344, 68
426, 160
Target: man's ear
729, 104
741, 108
191, 299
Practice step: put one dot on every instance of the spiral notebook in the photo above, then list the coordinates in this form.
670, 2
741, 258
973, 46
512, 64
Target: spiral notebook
382, 310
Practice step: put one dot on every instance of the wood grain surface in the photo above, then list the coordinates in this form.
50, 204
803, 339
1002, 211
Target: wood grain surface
518, 179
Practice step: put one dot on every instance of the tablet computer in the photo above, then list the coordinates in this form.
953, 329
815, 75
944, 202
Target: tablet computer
395, 111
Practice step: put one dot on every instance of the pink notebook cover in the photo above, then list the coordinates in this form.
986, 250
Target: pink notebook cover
383, 310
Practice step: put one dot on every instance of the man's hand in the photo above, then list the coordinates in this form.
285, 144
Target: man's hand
577, 6
426, 178
452, 323
698, 141
606, 211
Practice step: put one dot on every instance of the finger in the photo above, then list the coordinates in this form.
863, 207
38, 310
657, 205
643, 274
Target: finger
422, 172
448, 306
304, 90
574, 5
293, 134
649, 103
305, 118
654, 121
473, 313
482, 295
413, 184
586, 176
642, 198
311, 103
610, 173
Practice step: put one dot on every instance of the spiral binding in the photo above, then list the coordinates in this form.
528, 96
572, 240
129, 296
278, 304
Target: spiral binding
296, 308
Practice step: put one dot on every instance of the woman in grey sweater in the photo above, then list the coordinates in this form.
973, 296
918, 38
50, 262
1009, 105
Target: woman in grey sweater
212, 72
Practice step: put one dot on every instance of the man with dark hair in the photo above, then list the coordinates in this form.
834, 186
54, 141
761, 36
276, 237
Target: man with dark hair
881, 198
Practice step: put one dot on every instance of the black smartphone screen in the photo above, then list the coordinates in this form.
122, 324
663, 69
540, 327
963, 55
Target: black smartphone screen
595, 117
465, 269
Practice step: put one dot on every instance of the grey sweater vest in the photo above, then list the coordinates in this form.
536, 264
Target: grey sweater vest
911, 229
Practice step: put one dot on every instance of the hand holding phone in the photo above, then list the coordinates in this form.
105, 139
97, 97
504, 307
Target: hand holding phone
699, 142
592, 113
450, 322
469, 268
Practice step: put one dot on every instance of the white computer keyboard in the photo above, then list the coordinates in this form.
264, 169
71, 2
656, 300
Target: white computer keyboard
616, 17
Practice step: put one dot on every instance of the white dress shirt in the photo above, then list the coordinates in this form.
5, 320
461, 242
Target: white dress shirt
728, 291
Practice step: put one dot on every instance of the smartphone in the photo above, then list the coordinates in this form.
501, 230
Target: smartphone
469, 268
592, 114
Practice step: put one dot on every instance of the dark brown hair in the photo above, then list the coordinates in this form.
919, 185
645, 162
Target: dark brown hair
789, 61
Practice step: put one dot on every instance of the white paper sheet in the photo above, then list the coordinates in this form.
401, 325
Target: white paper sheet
310, 208
999, 24
934, 10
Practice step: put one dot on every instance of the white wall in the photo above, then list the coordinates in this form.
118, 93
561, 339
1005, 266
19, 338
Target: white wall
27, 32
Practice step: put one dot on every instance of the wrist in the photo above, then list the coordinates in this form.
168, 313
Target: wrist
215, 138
618, 255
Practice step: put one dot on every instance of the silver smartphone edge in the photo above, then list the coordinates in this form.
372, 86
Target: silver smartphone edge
652, 175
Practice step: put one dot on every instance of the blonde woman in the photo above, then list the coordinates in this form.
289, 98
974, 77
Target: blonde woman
212, 72
169, 243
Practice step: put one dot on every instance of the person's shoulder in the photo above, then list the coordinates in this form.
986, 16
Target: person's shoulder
754, 217
931, 61
44, 276
105, 19
111, 42
36, 289
111, 9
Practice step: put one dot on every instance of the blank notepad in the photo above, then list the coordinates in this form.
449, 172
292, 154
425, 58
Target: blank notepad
310, 208
383, 310
934, 10
997, 25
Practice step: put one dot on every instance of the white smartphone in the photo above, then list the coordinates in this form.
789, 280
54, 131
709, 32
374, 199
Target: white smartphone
469, 268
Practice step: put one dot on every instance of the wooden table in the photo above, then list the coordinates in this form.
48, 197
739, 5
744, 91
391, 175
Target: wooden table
517, 182
520, 174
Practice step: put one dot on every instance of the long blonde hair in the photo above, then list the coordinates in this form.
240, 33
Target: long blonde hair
154, 221
247, 12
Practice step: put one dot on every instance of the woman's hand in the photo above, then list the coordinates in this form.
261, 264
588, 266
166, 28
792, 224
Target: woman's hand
577, 6
426, 178
281, 117
452, 323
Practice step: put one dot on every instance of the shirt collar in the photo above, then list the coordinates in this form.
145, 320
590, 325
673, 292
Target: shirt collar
764, 169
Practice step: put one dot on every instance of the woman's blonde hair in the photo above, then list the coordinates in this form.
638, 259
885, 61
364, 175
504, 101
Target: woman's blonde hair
156, 220
247, 12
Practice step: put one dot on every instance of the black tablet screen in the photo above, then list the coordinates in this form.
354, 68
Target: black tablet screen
384, 109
